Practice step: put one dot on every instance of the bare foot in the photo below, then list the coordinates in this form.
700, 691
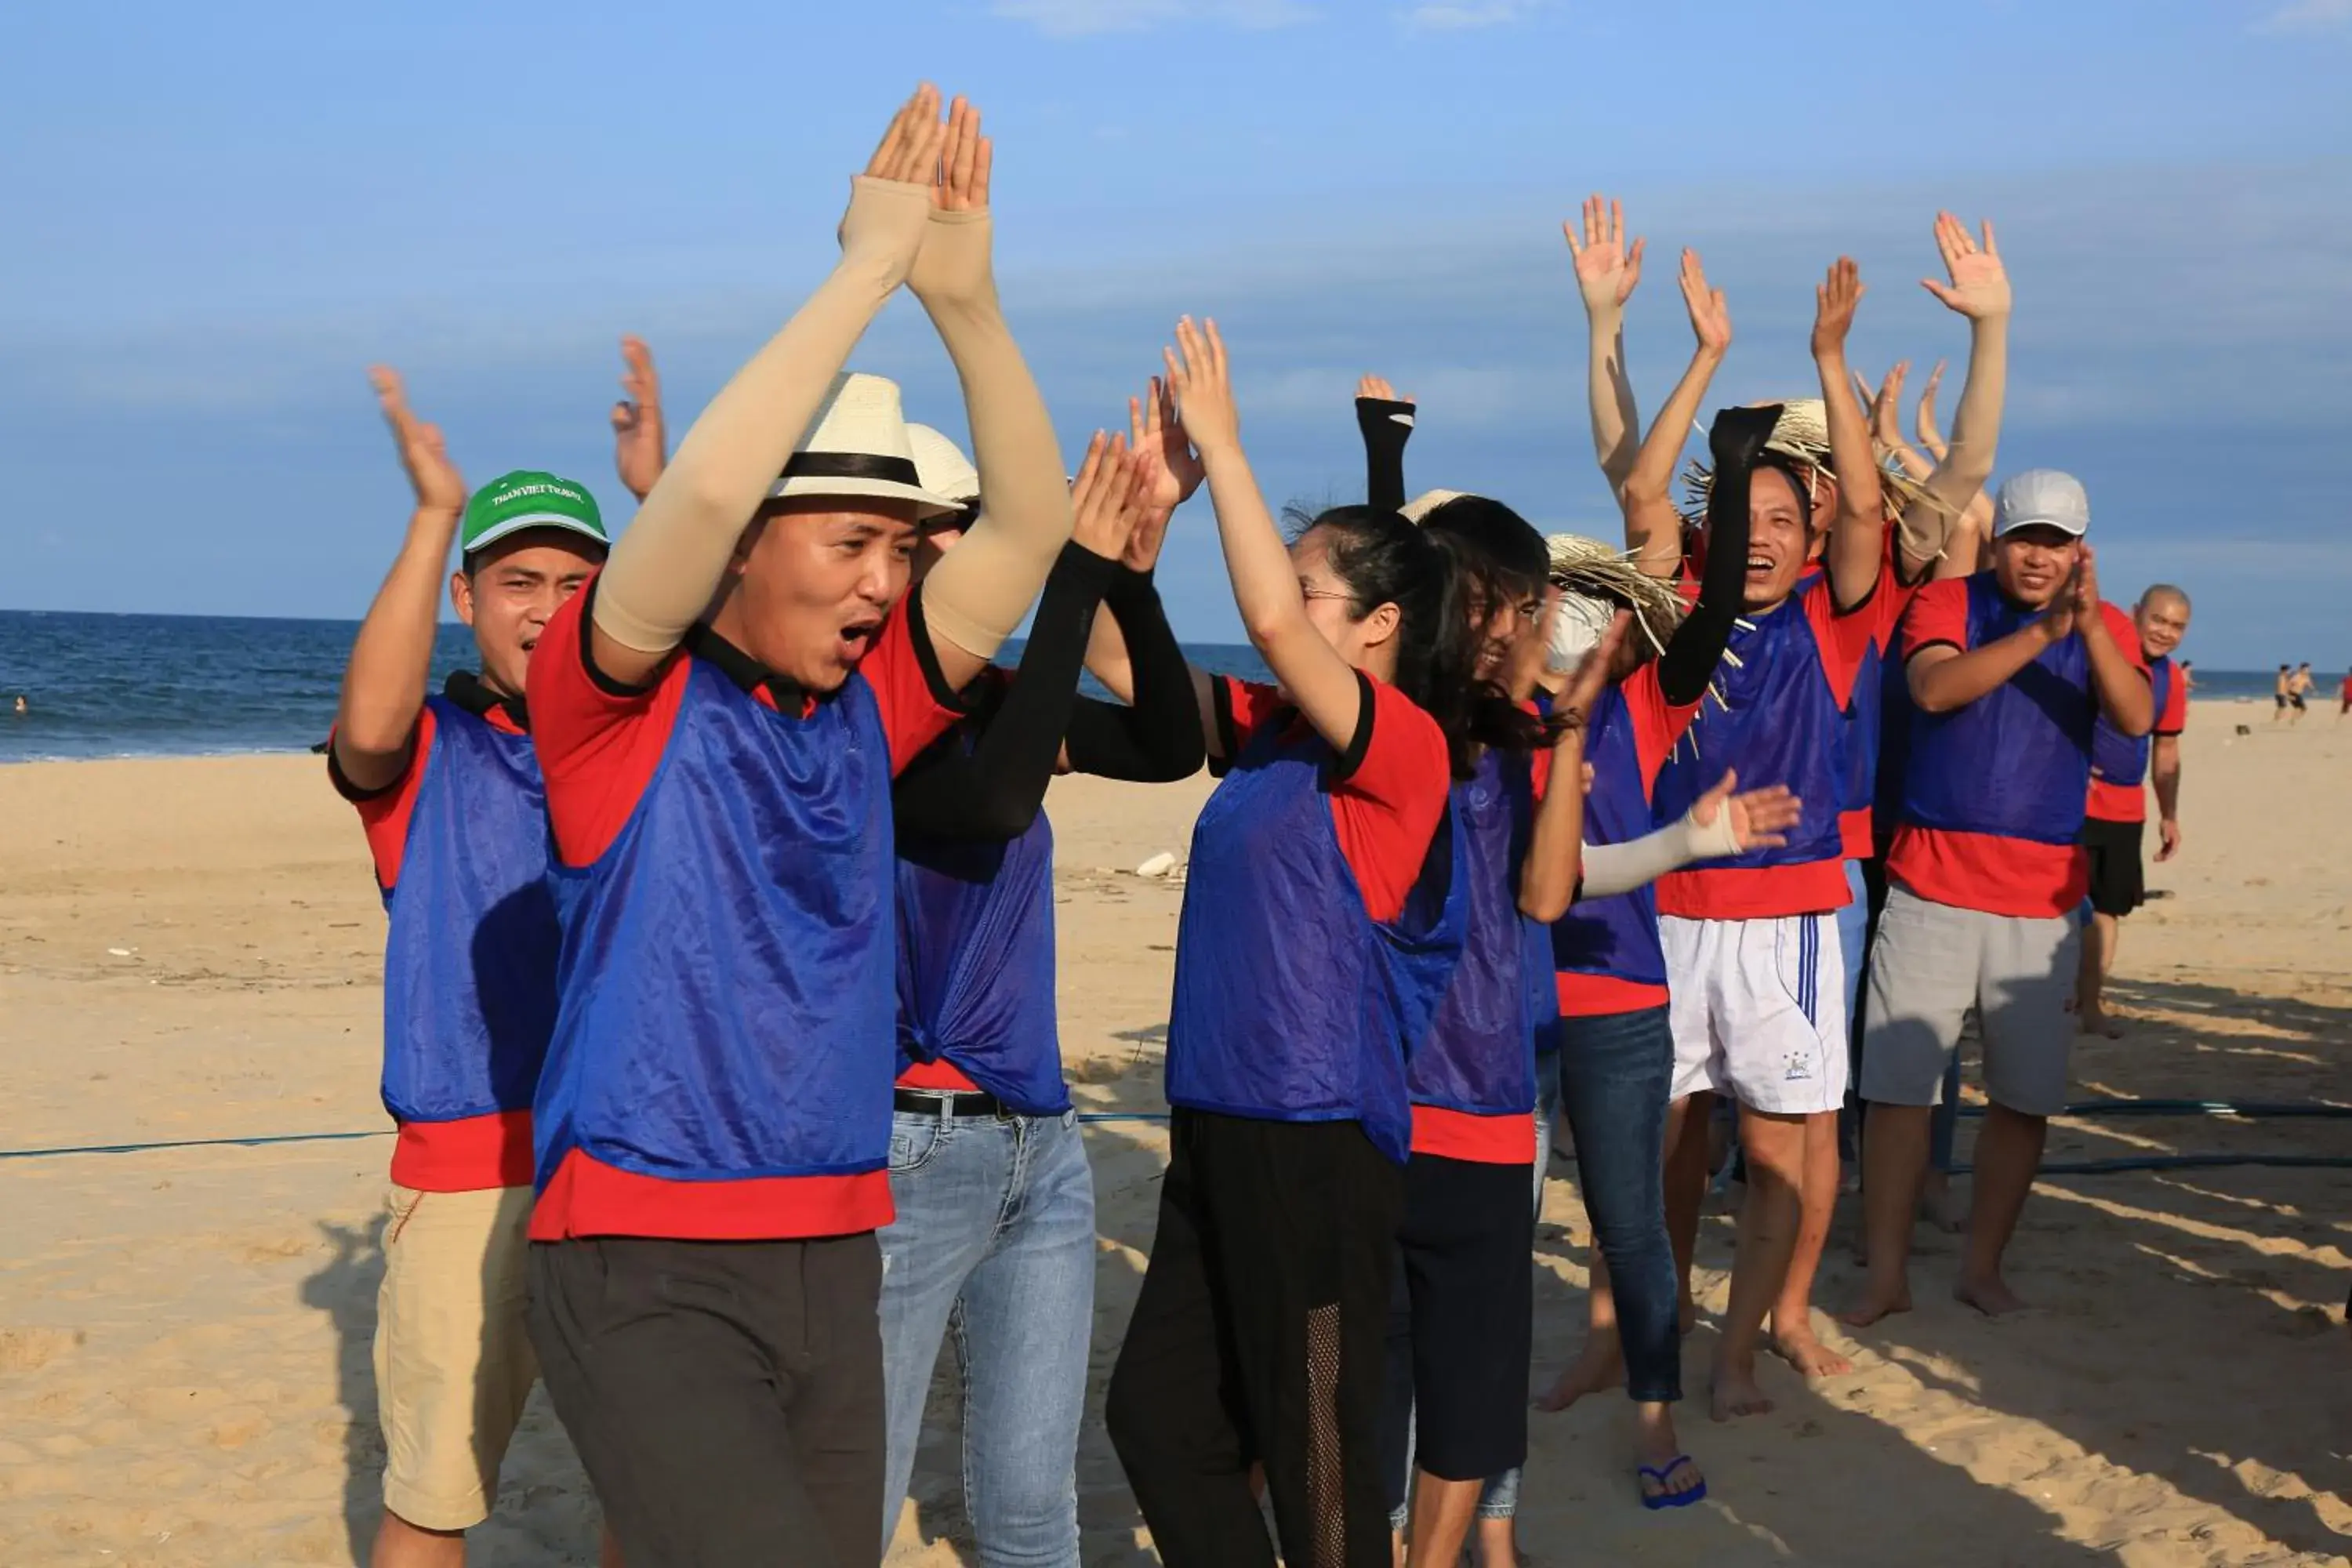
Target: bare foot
1940, 1207
1600, 1367
1803, 1350
1735, 1394
1875, 1305
1992, 1297
2096, 1021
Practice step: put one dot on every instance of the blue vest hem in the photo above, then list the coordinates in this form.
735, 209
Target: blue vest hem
636, 1167
1261, 1113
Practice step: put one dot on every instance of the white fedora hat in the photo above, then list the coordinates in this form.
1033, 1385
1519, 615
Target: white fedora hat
940, 465
859, 446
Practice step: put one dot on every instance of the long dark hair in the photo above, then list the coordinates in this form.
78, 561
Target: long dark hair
1435, 580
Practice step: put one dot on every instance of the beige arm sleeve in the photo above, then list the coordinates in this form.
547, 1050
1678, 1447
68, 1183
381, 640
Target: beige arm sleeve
671, 560
1612, 868
978, 593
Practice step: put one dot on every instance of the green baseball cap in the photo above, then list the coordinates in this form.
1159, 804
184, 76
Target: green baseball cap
529, 498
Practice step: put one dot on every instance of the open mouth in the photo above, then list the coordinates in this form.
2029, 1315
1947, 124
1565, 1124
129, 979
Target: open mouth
856, 640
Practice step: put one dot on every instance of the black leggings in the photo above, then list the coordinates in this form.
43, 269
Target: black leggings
1259, 1338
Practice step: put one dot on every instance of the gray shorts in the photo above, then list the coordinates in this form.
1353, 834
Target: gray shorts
1930, 964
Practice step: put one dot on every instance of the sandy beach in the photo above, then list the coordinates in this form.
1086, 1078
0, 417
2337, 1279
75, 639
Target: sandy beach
189, 949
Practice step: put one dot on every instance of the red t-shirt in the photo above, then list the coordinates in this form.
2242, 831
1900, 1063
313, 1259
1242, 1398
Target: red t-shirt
1988, 871
1886, 607
471, 1153
2128, 803
1388, 790
599, 745
1814, 886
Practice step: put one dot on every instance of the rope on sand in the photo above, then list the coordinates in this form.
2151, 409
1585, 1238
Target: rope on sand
255, 1142
2246, 1108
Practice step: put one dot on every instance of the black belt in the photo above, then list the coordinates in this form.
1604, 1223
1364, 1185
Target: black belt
950, 1102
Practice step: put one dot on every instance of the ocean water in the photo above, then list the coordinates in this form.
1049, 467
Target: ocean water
119, 686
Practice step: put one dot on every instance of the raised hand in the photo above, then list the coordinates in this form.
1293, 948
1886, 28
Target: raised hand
1103, 499
639, 446
1201, 379
423, 455
909, 150
2085, 586
1979, 289
1171, 471
1710, 318
954, 267
1376, 388
1759, 817
1834, 306
1606, 269
882, 226
2059, 621
1887, 406
1931, 435
964, 160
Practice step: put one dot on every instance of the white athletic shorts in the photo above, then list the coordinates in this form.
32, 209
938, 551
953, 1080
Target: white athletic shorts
1757, 1010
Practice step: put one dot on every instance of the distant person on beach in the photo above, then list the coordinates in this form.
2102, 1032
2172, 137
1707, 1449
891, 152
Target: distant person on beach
2297, 689
2345, 707
2008, 670
22, 706
2188, 675
2116, 816
450, 793
2283, 693
720, 716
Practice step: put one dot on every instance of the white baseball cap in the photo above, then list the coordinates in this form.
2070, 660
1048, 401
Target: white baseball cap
2041, 498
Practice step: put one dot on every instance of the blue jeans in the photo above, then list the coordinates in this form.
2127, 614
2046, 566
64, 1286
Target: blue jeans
1614, 1074
994, 1241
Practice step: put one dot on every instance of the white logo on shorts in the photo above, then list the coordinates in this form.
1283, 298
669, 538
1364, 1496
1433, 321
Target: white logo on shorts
1799, 1070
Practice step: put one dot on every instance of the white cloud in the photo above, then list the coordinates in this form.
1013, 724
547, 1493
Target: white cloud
2306, 16
1466, 16
1082, 18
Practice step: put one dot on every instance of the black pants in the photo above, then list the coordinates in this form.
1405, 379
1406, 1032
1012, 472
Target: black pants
1258, 1337
1461, 1324
2118, 876
725, 1396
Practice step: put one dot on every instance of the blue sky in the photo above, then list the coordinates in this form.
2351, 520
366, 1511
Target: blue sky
217, 216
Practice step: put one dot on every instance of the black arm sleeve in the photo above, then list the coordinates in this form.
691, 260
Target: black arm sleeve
1697, 645
1157, 741
995, 790
1387, 426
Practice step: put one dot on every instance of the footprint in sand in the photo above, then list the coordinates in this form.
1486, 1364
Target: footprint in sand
29, 1350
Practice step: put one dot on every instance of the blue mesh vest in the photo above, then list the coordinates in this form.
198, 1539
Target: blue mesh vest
2116, 757
727, 984
976, 964
1780, 722
2017, 760
1615, 936
1291, 1003
1480, 1053
469, 964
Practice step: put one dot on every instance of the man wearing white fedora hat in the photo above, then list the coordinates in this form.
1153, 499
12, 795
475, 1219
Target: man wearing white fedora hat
719, 715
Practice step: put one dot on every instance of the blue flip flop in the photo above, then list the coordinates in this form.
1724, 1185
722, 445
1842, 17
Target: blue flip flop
1667, 1499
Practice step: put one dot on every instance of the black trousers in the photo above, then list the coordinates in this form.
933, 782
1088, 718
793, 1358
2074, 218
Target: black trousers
725, 1396
1259, 1338
1461, 1324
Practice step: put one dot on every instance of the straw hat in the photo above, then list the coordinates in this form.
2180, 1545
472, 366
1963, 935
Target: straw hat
940, 465
859, 446
1802, 435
